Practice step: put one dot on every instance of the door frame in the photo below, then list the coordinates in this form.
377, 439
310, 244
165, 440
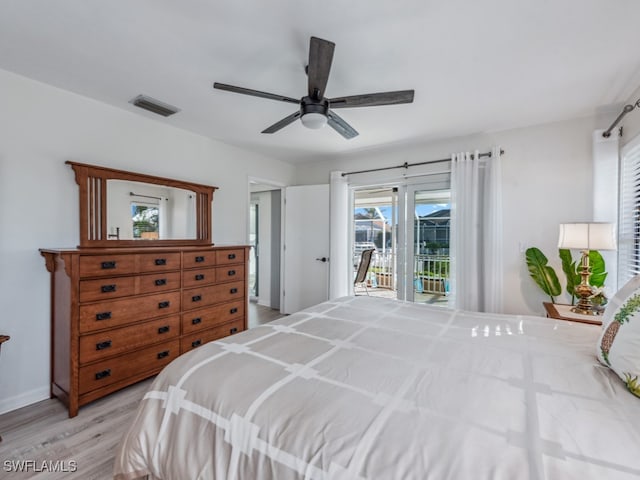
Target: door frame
406, 189
275, 185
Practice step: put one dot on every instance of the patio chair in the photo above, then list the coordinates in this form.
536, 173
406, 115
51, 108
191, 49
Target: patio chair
363, 269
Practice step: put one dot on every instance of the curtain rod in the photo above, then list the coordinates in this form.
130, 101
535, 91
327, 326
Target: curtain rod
625, 110
407, 165
131, 194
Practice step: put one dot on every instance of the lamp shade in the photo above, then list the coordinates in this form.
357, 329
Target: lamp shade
587, 236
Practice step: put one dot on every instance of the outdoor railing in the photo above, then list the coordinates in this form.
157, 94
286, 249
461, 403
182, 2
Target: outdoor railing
431, 272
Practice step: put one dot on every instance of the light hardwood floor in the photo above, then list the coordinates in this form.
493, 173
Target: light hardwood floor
43, 432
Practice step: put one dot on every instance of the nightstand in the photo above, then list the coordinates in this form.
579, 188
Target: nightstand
563, 312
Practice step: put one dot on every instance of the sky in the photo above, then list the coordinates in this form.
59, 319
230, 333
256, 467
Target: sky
421, 209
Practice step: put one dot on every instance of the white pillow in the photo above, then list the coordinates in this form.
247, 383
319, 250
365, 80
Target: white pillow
619, 343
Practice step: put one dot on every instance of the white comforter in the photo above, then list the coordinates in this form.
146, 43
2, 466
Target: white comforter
368, 388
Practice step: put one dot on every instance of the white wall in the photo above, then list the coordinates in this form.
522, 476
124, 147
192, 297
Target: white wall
631, 121
547, 180
41, 127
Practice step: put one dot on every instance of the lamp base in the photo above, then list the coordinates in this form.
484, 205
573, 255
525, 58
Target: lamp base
587, 310
583, 290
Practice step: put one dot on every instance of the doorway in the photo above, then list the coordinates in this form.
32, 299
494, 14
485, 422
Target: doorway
408, 225
264, 239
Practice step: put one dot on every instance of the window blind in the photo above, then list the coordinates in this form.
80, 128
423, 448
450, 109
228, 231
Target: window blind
629, 221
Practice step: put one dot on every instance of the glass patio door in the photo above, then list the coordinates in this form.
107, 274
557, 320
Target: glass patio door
427, 229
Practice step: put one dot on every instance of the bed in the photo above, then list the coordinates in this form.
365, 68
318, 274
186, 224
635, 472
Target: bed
371, 388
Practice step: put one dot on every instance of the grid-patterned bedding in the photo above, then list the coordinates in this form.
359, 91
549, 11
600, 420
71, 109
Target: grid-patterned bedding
370, 388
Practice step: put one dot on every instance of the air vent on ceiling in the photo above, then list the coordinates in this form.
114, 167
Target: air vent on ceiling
153, 105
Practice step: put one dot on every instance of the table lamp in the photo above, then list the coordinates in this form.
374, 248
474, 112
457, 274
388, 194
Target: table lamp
586, 237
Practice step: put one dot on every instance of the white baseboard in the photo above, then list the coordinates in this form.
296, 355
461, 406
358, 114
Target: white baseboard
24, 399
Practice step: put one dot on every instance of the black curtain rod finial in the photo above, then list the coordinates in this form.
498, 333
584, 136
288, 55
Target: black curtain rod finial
627, 109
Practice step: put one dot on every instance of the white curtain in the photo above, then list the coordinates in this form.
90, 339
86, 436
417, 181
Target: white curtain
339, 245
476, 231
605, 194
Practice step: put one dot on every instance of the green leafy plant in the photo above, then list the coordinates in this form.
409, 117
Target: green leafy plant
571, 269
546, 277
543, 274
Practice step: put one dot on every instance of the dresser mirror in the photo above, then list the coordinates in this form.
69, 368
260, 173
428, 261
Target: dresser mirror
120, 209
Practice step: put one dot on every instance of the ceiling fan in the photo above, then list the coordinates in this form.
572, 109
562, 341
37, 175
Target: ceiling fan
315, 109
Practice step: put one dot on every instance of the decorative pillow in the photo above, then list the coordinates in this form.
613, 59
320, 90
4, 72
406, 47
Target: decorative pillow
619, 343
619, 298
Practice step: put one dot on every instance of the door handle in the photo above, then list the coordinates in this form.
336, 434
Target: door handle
323, 259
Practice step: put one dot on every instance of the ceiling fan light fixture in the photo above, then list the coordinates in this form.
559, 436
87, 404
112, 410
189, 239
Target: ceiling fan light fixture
313, 120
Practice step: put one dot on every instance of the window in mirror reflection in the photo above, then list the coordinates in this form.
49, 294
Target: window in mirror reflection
145, 211
146, 220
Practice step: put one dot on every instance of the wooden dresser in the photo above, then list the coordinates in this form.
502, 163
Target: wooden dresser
121, 315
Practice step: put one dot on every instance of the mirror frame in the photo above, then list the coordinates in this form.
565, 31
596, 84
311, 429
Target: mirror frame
92, 181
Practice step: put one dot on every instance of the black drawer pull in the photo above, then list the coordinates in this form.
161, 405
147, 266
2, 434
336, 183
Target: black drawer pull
108, 265
103, 345
196, 321
103, 374
161, 261
161, 281
233, 310
199, 259
164, 304
163, 354
197, 343
108, 288
231, 256
196, 298
233, 290
200, 276
103, 316
233, 330
164, 329
231, 273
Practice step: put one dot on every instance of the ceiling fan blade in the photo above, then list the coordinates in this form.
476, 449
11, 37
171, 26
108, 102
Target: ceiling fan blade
254, 93
340, 126
282, 123
373, 99
320, 58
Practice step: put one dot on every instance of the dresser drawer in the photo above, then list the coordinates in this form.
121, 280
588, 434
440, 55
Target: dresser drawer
229, 273
106, 265
203, 296
198, 276
106, 288
112, 313
235, 255
204, 318
120, 340
189, 342
206, 258
120, 368
158, 282
156, 262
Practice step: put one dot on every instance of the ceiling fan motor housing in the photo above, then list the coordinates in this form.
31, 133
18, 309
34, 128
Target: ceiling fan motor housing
314, 112
309, 105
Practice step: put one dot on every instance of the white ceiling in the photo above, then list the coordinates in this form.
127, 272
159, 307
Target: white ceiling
475, 65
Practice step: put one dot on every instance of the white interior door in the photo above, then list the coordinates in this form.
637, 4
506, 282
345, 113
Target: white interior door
306, 247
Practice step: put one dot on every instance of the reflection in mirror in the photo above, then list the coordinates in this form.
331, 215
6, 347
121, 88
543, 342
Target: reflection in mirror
144, 211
